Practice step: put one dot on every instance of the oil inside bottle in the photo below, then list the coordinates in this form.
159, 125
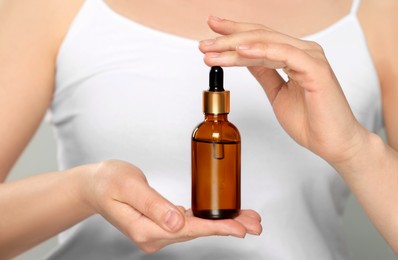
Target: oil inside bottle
215, 179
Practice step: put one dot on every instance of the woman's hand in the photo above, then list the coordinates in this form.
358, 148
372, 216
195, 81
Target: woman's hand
312, 108
310, 105
119, 192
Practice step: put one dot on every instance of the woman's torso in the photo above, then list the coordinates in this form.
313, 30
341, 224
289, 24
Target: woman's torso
128, 90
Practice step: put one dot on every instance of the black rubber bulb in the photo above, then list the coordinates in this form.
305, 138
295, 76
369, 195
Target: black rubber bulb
216, 79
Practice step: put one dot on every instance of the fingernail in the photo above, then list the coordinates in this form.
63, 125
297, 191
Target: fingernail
208, 42
243, 47
239, 235
215, 18
172, 220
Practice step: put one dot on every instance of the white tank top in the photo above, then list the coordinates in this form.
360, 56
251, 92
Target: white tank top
125, 91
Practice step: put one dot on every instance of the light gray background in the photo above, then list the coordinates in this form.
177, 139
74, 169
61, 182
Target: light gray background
40, 156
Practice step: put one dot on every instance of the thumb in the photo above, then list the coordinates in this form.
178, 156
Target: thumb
154, 206
162, 212
269, 79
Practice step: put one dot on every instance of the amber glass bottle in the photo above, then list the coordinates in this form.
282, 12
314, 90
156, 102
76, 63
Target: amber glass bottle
216, 156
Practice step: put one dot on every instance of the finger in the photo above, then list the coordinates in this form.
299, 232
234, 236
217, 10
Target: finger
262, 69
250, 213
189, 213
150, 203
298, 64
230, 42
287, 55
225, 27
181, 209
232, 58
239, 33
151, 237
251, 221
197, 227
248, 221
270, 80
146, 234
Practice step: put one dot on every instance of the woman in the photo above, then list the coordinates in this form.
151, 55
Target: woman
116, 80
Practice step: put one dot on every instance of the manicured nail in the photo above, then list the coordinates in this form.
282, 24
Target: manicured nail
172, 220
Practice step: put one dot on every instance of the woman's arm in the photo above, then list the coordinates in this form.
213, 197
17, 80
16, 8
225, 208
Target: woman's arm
30, 35
312, 108
37, 208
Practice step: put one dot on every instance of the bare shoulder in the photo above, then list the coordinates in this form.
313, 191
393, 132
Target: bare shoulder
374, 7
43, 21
379, 20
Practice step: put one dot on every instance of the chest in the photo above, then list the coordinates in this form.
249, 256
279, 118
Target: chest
188, 18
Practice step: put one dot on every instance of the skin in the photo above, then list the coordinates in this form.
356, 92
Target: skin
312, 109
120, 193
31, 33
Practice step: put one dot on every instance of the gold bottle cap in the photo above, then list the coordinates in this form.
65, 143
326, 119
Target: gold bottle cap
216, 102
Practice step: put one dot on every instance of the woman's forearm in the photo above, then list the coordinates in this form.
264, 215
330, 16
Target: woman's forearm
372, 175
37, 208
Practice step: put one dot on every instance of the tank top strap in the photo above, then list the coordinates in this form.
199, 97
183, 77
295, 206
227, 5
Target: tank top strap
355, 7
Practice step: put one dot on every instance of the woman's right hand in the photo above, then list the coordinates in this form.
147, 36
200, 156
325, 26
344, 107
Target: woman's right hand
120, 192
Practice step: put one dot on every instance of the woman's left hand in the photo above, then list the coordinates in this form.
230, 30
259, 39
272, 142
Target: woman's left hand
310, 105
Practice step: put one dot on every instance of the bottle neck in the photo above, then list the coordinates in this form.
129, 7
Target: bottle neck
216, 117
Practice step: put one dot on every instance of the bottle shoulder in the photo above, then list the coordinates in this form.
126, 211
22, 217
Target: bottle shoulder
216, 131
